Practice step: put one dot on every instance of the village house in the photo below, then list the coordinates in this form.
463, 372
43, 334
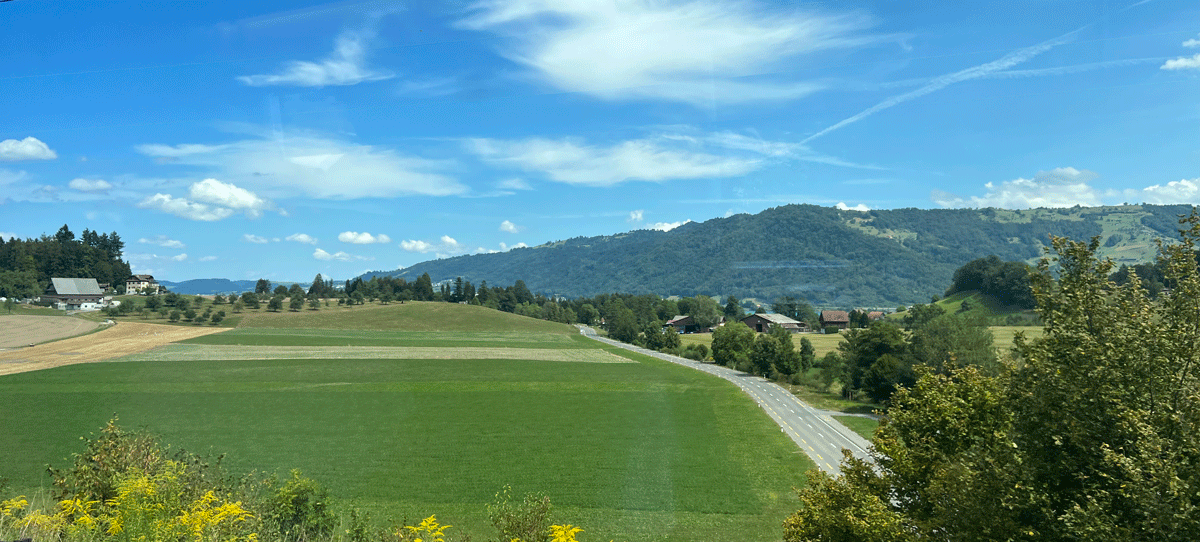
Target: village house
763, 323
75, 294
138, 283
835, 319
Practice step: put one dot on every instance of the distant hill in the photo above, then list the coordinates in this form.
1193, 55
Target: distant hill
209, 286
831, 257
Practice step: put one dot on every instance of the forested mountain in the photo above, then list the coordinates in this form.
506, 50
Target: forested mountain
829, 256
26, 266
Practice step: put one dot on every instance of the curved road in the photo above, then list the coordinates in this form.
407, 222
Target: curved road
817, 434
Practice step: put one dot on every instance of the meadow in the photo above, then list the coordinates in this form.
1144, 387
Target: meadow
641, 450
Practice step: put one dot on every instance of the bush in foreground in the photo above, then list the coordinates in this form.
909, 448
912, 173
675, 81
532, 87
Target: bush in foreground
126, 487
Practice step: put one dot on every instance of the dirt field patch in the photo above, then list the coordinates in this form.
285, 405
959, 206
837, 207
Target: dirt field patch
120, 340
187, 352
24, 330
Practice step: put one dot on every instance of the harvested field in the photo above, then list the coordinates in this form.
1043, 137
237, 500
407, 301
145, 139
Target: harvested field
187, 352
120, 340
24, 330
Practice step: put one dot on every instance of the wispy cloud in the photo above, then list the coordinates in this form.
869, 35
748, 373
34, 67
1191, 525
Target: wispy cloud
687, 51
30, 148
293, 163
345, 66
302, 238
162, 241
509, 227
1059, 187
667, 226
251, 238
636, 215
860, 207
339, 256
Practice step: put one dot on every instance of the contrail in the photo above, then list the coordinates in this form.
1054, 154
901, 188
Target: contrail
975, 72
1007, 61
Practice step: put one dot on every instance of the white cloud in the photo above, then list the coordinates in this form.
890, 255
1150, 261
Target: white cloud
636, 215
142, 258
179, 257
860, 207
362, 238
413, 245
504, 246
345, 66
509, 227
185, 209
1183, 63
219, 201
339, 256
1059, 187
90, 185
573, 162
251, 238
302, 238
227, 195
446, 246
688, 51
1181, 191
162, 241
30, 148
667, 226
291, 163
7, 235
1192, 43
513, 184
207, 258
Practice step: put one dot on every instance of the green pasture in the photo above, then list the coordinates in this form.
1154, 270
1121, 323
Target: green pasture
629, 451
865, 427
409, 316
359, 337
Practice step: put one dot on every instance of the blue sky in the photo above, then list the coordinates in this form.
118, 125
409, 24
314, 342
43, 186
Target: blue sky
282, 139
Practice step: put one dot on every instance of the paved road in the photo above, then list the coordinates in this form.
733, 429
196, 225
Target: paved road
817, 434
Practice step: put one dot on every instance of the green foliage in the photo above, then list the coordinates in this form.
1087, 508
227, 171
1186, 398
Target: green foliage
732, 344
175, 315
300, 509
527, 520
796, 309
276, 302
1090, 436
1007, 282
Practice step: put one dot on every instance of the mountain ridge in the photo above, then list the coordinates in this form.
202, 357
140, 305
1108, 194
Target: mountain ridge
829, 256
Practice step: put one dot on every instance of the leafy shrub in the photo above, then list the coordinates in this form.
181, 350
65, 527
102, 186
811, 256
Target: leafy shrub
527, 520
300, 509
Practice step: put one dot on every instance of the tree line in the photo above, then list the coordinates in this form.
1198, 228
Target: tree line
27, 265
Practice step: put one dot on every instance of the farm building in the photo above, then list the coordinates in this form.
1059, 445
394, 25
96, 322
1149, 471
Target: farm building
875, 316
762, 323
837, 319
138, 283
685, 324
75, 294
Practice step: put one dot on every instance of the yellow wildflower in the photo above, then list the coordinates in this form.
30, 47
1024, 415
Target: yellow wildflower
563, 533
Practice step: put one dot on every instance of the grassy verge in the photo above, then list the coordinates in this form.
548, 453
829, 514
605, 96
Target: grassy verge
865, 427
